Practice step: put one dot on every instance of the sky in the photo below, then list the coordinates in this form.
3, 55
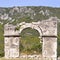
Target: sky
11, 3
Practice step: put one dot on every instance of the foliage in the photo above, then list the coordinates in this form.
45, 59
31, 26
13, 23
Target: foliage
58, 43
30, 41
1, 41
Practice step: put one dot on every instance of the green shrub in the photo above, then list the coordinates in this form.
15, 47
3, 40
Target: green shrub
30, 42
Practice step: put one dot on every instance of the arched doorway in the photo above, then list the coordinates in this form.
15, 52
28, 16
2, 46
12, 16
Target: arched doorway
30, 41
49, 36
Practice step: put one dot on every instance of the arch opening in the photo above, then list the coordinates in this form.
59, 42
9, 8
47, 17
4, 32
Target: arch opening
30, 41
30, 25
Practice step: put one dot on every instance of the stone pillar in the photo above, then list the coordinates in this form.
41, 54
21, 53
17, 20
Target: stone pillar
49, 48
11, 47
11, 42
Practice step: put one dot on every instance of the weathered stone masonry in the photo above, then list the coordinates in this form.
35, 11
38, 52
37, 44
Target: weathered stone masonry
48, 34
11, 42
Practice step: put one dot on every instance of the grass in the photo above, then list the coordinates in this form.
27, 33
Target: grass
19, 59
9, 59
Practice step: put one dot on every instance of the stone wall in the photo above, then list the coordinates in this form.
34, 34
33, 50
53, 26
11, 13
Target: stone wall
50, 48
48, 33
11, 41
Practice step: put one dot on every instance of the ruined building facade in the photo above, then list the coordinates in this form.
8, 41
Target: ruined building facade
48, 33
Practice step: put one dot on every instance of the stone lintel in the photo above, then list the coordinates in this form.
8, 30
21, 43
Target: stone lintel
49, 36
11, 35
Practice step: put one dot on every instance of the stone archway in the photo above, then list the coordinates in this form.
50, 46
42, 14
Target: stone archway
47, 30
27, 37
31, 25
